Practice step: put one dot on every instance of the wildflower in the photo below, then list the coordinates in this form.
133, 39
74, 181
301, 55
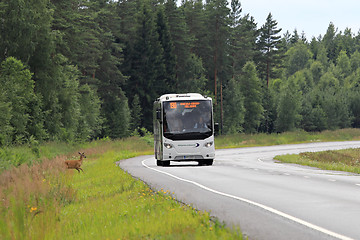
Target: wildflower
33, 209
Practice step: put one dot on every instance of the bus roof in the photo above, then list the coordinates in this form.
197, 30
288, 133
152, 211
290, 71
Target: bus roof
182, 96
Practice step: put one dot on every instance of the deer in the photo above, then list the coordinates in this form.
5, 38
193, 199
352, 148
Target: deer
76, 164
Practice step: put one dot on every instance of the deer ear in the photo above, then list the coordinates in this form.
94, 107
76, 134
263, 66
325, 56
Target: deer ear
79, 152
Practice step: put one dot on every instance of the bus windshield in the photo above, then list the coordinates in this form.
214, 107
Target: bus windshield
186, 120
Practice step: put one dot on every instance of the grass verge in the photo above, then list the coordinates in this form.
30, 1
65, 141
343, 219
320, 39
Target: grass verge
347, 160
110, 204
43, 200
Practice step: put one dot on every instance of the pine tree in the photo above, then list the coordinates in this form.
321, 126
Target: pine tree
169, 58
189, 67
90, 121
68, 97
194, 75
80, 32
111, 59
346, 42
136, 114
330, 42
233, 107
336, 105
235, 16
218, 22
343, 66
269, 114
355, 61
289, 106
243, 43
196, 23
313, 116
250, 89
268, 45
322, 56
144, 63
22, 23
117, 116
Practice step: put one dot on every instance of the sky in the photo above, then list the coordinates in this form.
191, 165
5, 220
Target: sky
309, 16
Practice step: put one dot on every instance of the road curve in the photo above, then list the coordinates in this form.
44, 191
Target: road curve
267, 200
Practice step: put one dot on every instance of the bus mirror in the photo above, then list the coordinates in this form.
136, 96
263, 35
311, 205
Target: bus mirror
158, 115
216, 128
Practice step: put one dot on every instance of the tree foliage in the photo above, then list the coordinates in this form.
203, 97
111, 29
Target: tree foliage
77, 70
269, 55
251, 90
17, 89
234, 107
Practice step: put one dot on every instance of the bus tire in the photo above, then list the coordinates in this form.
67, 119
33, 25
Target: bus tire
209, 162
162, 163
206, 162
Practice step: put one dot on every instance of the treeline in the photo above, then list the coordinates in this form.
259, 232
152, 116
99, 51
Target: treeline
77, 70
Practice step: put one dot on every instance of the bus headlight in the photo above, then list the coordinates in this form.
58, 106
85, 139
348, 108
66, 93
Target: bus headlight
168, 145
208, 144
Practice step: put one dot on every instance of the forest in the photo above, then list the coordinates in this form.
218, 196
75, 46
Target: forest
76, 70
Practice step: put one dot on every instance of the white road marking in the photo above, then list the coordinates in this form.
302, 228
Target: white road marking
358, 184
272, 210
332, 180
306, 177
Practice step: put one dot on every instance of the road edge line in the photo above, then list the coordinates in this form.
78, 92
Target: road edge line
269, 209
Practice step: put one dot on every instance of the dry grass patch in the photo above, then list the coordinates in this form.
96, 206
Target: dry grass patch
347, 160
31, 198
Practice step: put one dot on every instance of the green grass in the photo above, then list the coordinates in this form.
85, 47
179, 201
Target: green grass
347, 160
110, 204
44, 200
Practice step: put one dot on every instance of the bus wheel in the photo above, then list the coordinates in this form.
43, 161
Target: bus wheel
209, 162
162, 163
206, 162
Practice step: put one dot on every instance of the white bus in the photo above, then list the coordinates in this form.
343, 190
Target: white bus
184, 129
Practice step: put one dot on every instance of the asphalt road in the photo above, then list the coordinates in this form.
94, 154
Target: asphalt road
245, 188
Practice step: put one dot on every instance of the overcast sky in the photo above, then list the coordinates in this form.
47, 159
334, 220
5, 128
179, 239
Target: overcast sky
311, 16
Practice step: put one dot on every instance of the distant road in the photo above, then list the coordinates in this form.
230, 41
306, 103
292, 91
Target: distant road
267, 200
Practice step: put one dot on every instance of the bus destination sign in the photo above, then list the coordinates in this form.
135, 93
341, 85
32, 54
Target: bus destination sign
189, 104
